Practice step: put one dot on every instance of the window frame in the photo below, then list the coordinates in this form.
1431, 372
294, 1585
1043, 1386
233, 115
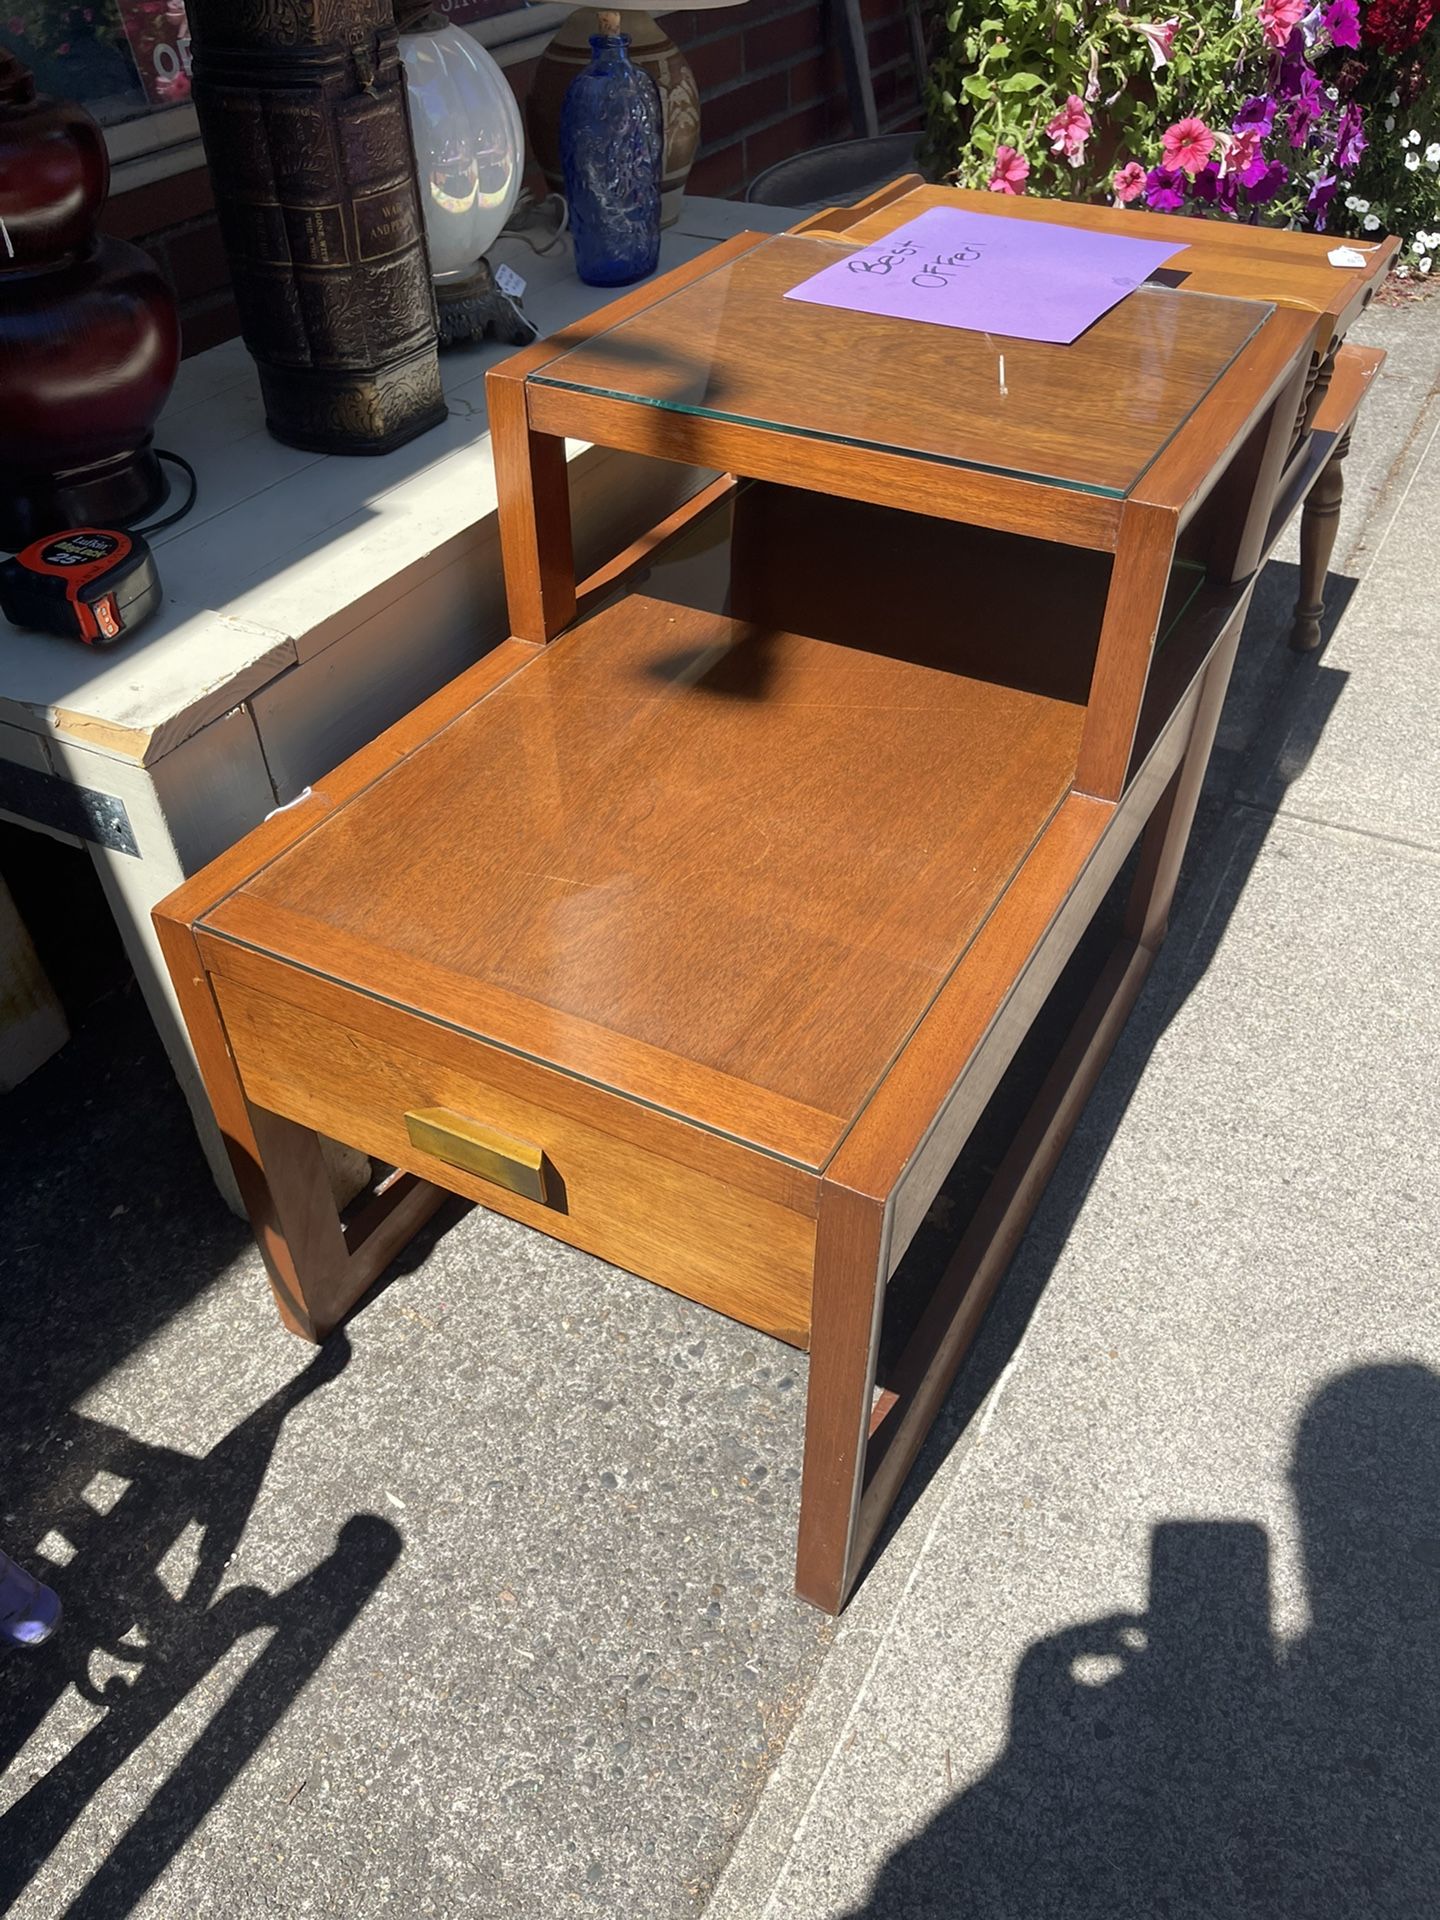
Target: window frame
155, 146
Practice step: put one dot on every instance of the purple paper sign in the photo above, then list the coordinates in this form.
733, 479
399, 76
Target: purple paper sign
1028, 279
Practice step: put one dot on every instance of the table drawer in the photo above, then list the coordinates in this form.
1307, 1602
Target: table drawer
740, 1239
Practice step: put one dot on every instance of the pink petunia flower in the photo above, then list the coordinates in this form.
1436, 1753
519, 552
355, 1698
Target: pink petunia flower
1187, 146
1239, 151
1279, 19
1159, 36
1070, 129
1008, 171
1129, 183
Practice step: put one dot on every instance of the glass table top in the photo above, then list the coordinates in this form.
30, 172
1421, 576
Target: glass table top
1092, 416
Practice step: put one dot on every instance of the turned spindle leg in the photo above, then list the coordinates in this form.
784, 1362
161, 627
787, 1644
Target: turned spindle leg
1319, 525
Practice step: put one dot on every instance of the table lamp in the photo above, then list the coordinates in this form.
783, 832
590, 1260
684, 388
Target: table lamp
89, 338
655, 53
469, 156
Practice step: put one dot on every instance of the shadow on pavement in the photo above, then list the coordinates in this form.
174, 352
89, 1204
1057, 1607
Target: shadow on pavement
159, 1631
1273, 694
1182, 1762
109, 1225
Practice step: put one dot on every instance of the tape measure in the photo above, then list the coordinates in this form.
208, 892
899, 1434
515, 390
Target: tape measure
93, 584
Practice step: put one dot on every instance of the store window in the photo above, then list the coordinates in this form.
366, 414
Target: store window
127, 58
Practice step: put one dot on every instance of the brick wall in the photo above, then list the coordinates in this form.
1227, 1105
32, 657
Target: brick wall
772, 84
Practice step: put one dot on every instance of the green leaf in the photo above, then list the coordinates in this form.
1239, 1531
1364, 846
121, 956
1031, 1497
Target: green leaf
976, 86
1021, 83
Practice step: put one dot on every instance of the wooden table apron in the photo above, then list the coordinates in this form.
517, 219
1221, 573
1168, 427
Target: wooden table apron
1143, 747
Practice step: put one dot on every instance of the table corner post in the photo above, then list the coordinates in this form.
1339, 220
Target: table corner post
533, 488
849, 1296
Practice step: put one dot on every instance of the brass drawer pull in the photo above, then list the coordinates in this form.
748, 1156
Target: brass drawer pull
463, 1143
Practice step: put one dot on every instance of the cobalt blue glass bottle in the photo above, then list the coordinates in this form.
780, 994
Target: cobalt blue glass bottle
610, 147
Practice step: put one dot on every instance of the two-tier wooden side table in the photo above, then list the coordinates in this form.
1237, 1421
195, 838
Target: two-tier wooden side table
1227, 257
696, 924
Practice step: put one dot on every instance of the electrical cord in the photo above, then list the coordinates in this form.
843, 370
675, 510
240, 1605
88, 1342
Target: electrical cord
539, 223
169, 519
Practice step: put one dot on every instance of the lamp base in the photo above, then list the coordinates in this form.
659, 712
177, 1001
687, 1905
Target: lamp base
654, 52
472, 307
115, 492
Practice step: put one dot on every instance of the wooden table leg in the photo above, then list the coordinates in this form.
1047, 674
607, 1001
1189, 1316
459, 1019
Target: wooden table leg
848, 1302
859, 1448
1319, 524
319, 1265
1167, 833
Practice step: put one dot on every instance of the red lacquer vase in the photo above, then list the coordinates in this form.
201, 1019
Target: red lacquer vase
89, 337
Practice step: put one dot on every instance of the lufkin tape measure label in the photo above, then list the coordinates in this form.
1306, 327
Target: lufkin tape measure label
77, 558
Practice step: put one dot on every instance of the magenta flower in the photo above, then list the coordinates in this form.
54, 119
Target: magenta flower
1350, 141
1307, 108
1263, 185
1070, 129
1279, 19
1258, 112
1164, 190
1212, 190
1321, 194
1128, 183
1159, 36
1187, 146
1341, 20
1009, 171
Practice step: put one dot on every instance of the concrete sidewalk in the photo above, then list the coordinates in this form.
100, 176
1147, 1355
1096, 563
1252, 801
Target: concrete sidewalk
1161, 1634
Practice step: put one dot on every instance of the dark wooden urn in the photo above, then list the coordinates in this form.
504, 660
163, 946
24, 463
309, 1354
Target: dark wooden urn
89, 339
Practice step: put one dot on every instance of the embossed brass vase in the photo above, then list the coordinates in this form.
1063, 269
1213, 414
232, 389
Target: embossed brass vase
304, 118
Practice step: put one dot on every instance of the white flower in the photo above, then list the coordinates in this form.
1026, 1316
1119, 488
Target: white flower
1432, 154
1371, 223
1425, 264
1392, 99
1417, 245
1389, 123
1412, 162
1412, 138
1357, 205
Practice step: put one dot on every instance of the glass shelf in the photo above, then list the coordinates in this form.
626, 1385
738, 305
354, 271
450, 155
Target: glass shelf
1092, 416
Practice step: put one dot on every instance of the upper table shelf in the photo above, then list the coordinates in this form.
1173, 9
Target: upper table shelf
1091, 417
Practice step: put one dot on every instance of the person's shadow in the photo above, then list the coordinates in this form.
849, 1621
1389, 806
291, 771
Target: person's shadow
1184, 1764
146, 1596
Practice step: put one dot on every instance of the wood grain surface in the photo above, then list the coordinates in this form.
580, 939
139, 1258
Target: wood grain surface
721, 867
716, 1241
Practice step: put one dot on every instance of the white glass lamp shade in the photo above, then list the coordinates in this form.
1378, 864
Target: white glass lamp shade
469, 148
